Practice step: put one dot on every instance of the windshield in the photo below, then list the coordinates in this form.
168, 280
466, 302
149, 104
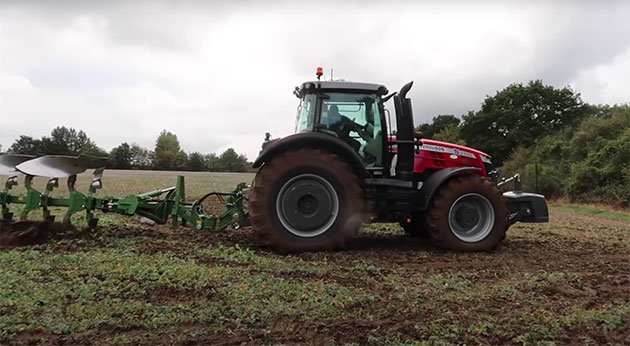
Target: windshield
306, 114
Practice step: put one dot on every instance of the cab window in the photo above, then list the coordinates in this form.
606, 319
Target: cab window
306, 114
355, 118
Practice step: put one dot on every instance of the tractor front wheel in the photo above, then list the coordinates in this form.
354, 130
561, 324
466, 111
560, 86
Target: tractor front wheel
468, 214
306, 200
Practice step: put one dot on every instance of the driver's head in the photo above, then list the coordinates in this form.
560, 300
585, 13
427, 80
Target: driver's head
333, 114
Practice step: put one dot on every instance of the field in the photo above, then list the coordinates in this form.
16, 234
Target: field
564, 282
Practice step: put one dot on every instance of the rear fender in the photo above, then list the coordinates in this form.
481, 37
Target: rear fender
313, 140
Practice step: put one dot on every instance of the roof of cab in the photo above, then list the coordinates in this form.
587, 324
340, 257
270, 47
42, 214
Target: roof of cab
343, 85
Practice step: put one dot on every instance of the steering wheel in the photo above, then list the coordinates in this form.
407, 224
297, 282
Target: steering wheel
362, 130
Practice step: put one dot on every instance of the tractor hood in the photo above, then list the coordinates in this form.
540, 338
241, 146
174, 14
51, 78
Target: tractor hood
438, 145
450, 148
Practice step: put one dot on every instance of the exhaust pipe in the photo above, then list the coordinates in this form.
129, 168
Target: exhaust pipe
405, 133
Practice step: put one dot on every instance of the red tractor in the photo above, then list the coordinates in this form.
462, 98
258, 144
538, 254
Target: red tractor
344, 166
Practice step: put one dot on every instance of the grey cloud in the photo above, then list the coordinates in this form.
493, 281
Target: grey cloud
592, 34
221, 73
63, 75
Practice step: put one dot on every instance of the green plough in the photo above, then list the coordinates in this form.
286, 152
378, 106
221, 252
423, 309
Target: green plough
158, 205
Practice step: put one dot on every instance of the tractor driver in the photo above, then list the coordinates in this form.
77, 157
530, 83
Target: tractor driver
342, 126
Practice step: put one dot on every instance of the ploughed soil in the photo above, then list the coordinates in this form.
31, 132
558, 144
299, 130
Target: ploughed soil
28, 232
566, 282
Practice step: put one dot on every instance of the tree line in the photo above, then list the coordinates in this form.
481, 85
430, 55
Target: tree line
561, 146
166, 155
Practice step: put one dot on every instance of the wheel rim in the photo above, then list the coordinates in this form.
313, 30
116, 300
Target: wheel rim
307, 205
471, 218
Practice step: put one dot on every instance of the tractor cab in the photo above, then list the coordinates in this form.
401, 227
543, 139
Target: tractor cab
351, 112
355, 114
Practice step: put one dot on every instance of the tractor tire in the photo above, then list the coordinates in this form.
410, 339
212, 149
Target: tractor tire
306, 200
468, 213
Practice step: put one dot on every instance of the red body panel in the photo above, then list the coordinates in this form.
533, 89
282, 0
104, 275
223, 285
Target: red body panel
436, 155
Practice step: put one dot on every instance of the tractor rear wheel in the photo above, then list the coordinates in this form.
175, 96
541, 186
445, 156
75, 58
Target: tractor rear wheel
468, 214
306, 200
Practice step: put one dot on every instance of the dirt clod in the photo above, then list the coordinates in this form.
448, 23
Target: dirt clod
24, 233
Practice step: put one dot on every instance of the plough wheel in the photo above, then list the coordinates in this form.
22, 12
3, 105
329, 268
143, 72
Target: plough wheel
468, 214
306, 200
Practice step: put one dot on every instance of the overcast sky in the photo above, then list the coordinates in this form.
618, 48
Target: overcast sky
220, 74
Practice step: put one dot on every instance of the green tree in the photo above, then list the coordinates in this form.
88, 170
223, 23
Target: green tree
196, 162
68, 141
590, 163
62, 141
181, 161
519, 115
212, 163
544, 168
167, 154
140, 157
230, 161
438, 124
95, 151
26, 145
450, 134
601, 152
121, 157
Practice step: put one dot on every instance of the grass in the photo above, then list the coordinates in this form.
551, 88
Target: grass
564, 282
598, 211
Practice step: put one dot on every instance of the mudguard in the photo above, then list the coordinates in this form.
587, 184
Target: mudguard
436, 180
314, 140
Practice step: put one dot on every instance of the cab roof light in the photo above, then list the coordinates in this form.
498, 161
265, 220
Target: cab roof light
320, 72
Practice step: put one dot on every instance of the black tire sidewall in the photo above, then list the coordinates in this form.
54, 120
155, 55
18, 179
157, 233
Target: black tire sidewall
446, 237
337, 225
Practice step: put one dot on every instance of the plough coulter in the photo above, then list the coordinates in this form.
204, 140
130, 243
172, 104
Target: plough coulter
158, 205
